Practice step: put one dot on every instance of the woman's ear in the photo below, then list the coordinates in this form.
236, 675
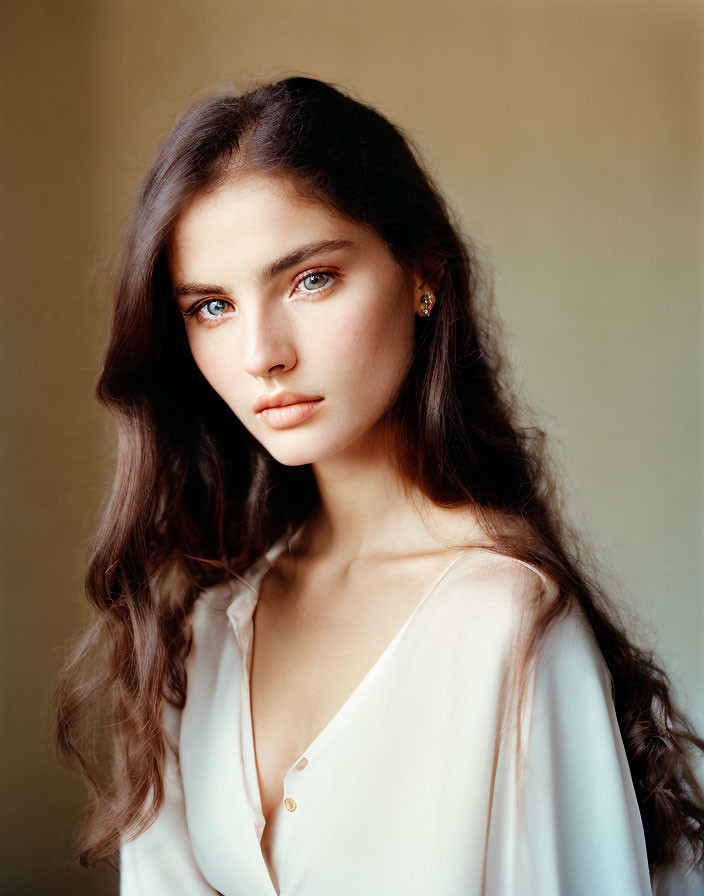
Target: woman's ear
431, 270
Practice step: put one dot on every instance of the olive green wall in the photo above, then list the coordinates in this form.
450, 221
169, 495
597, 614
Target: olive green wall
568, 135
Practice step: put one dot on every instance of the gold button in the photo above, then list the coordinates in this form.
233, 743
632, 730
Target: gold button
290, 804
303, 763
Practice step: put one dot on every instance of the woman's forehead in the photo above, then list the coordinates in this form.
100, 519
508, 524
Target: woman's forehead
254, 217
259, 195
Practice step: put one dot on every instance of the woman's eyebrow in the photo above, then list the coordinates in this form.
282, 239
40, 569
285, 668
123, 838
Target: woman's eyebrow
301, 254
271, 270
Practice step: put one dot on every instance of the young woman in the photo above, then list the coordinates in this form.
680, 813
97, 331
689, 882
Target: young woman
346, 644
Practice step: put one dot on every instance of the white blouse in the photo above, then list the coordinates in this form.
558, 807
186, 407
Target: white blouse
410, 790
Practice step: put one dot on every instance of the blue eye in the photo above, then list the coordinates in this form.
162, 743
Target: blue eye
315, 278
211, 311
220, 302
208, 312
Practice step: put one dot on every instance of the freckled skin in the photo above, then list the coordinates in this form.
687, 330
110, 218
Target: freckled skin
351, 343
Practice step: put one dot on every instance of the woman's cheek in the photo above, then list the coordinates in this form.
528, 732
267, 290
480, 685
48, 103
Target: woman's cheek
219, 370
207, 362
359, 334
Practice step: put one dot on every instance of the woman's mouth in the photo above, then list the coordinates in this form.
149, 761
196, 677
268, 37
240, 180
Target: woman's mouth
289, 414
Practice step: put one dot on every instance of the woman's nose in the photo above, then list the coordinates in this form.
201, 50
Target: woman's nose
268, 345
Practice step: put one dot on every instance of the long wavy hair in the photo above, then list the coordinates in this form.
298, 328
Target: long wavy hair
196, 499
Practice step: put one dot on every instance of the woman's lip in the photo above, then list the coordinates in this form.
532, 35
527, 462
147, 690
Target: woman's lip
289, 414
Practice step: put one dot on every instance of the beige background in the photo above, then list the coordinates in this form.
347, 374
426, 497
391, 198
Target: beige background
569, 135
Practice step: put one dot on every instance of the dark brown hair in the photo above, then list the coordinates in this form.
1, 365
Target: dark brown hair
196, 498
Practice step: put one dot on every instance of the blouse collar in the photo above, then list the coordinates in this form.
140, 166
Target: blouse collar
244, 589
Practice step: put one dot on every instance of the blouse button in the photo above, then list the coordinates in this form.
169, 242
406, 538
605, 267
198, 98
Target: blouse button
302, 764
290, 804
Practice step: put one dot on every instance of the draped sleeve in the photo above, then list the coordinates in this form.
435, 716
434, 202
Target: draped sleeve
679, 879
564, 816
160, 861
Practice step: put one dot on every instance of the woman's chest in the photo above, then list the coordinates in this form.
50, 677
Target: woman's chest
404, 756
305, 665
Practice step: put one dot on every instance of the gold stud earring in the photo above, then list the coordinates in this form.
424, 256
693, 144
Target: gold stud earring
427, 301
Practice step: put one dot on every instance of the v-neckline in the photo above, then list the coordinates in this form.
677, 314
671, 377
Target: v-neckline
319, 741
254, 581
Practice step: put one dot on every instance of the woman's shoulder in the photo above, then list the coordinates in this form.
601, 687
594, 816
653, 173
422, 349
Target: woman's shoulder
486, 581
503, 597
482, 563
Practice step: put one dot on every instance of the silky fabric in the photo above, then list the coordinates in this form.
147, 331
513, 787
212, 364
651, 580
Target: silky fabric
412, 788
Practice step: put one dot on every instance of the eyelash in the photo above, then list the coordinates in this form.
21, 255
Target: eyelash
195, 310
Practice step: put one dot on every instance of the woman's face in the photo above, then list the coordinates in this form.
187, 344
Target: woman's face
266, 311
